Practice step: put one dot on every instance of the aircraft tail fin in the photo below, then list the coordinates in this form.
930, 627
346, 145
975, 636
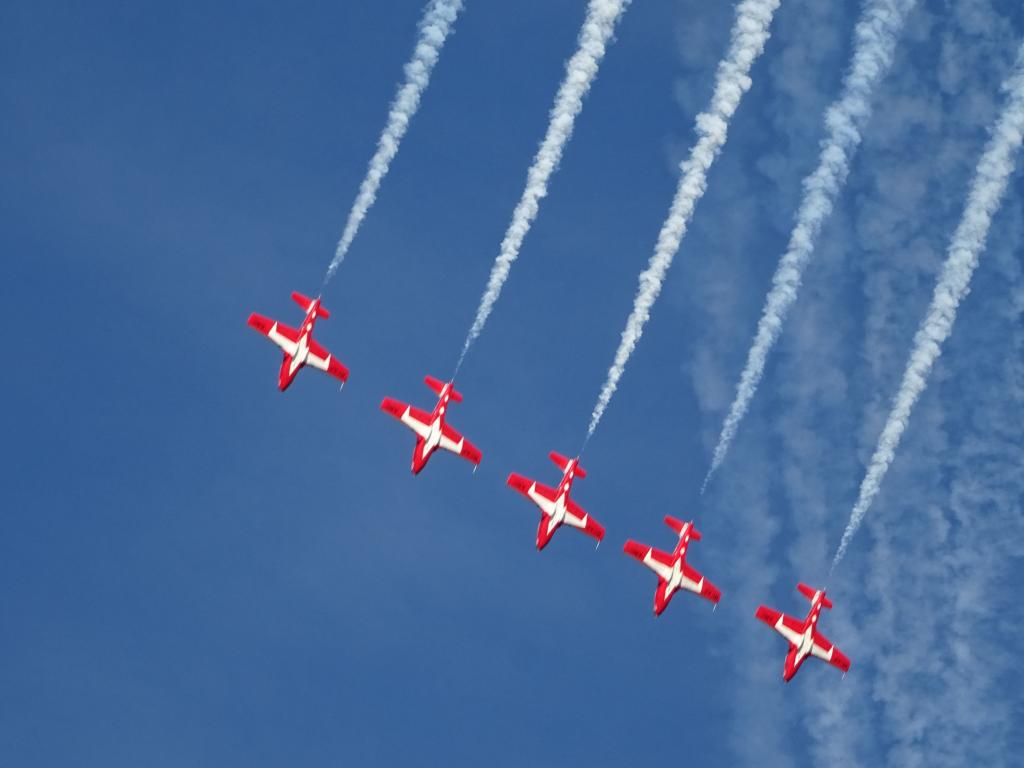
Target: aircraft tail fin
810, 592
678, 525
437, 385
563, 462
305, 302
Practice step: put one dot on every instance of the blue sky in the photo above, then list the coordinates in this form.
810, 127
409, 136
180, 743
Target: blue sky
198, 570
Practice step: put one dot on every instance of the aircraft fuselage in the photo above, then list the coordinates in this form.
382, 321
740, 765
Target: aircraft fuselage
292, 364
426, 446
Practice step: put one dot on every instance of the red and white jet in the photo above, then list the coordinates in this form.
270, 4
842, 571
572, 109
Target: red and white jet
803, 636
673, 572
431, 430
555, 505
299, 347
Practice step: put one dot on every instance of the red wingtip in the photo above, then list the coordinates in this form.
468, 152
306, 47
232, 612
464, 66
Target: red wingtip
635, 549
259, 323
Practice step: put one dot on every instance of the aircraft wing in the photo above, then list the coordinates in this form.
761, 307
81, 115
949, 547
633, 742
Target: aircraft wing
785, 625
658, 561
452, 441
577, 517
823, 649
541, 495
415, 419
286, 338
703, 587
325, 361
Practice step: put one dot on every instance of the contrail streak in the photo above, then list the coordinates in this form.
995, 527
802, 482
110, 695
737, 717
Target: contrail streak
874, 42
598, 27
987, 188
435, 26
749, 34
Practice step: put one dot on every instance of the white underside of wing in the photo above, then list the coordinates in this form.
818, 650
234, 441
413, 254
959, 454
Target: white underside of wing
451, 445
820, 652
282, 341
794, 637
575, 522
691, 585
546, 505
663, 571
323, 363
414, 424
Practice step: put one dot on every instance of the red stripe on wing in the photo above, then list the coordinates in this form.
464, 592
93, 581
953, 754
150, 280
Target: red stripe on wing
707, 589
334, 366
592, 527
839, 659
468, 451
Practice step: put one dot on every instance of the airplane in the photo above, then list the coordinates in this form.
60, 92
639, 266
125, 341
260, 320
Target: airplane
803, 636
673, 572
431, 430
555, 505
299, 347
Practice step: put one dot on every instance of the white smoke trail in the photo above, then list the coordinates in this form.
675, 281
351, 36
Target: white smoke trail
968, 241
749, 34
435, 26
874, 42
580, 71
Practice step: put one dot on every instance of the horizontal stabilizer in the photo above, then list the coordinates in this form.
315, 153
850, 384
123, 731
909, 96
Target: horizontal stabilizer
564, 462
810, 592
437, 385
678, 525
305, 302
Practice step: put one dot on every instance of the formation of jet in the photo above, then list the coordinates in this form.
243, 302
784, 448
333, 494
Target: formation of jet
803, 636
555, 505
299, 347
673, 572
432, 432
